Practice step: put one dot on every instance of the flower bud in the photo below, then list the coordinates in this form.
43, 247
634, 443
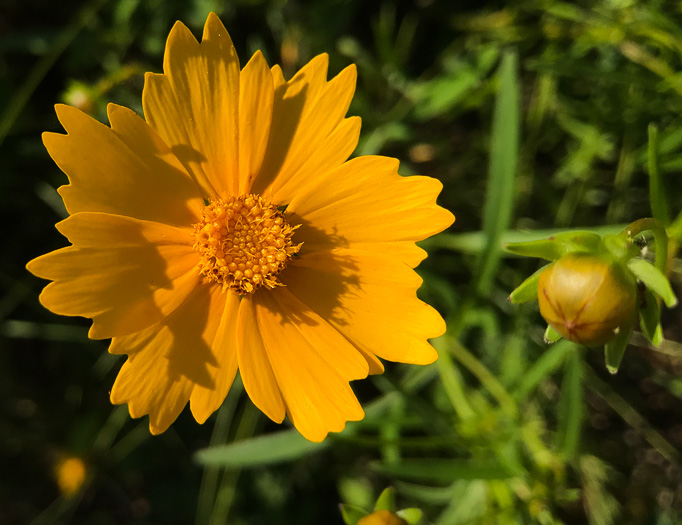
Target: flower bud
382, 517
587, 298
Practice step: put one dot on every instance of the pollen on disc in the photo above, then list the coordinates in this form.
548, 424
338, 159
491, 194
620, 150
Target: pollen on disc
244, 243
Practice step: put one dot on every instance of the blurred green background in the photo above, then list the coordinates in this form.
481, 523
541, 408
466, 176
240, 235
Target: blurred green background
533, 114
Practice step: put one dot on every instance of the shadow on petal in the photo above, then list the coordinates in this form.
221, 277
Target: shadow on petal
343, 270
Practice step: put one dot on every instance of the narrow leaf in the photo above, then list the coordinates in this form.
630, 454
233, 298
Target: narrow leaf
571, 407
654, 280
528, 289
650, 318
504, 150
386, 500
556, 245
657, 194
614, 350
542, 248
351, 515
281, 446
412, 515
549, 362
551, 335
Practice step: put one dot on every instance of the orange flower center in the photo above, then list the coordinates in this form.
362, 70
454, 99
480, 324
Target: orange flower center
244, 242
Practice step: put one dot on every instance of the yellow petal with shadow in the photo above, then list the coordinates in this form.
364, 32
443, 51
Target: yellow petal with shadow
369, 299
124, 170
307, 110
312, 364
169, 360
123, 273
194, 105
366, 201
254, 366
206, 399
256, 93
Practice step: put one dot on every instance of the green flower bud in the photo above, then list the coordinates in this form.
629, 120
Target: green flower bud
588, 298
382, 517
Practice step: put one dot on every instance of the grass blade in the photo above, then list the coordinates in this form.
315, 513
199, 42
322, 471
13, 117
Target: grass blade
504, 151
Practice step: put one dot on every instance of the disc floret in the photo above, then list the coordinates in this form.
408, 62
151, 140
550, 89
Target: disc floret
244, 243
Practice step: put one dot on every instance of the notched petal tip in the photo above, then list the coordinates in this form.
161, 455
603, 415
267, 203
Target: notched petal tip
33, 267
155, 428
68, 114
214, 28
317, 436
96, 332
257, 60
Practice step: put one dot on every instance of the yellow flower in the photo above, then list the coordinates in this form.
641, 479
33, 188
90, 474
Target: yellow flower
381, 517
70, 473
228, 231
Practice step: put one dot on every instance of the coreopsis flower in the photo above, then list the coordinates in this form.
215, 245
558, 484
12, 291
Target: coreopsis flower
228, 231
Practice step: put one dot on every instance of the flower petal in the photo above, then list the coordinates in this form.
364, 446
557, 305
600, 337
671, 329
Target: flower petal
194, 105
256, 93
366, 201
254, 367
123, 273
369, 299
312, 364
331, 152
306, 111
206, 399
125, 169
168, 360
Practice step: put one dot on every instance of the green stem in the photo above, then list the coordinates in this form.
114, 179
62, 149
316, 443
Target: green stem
660, 239
227, 489
487, 379
211, 475
657, 196
452, 382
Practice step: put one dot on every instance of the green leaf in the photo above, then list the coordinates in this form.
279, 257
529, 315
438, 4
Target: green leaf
551, 335
475, 242
571, 407
654, 280
504, 150
614, 350
412, 515
351, 515
549, 362
650, 318
557, 245
444, 470
528, 289
278, 447
657, 194
386, 500
660, 238
542, 248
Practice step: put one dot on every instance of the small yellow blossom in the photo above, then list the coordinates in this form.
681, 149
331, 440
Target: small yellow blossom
70, 473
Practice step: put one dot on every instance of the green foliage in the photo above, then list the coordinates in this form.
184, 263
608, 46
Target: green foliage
540, 117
